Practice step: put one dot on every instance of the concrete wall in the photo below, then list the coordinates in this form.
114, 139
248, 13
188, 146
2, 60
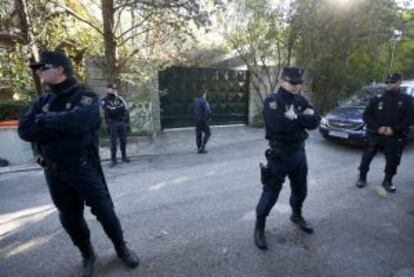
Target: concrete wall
143, 100
12, 148
259, 88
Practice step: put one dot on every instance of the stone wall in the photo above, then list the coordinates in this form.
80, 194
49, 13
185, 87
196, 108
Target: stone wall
257, 88
143, 101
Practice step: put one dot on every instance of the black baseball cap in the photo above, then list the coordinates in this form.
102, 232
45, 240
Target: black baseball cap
393, 78
111, 85
293, 75
55, 58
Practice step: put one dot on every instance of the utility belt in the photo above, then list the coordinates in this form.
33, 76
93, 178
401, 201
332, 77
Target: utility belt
72, 162
277, 151
280, 149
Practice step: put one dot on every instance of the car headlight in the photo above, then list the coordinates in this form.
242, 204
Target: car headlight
324, 122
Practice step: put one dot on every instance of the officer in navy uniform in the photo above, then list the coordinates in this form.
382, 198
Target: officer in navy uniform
201, 112
287, 115
116, 117
64, 125
388, 118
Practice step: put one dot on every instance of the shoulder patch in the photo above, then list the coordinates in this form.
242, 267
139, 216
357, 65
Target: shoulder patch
86, 100
45, 107
273, 105
380, 105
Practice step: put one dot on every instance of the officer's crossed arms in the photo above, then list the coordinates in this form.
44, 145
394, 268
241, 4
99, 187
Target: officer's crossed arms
290, 113
84, 110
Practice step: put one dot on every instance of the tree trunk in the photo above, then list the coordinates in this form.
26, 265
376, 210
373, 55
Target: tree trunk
28, 39
108, 12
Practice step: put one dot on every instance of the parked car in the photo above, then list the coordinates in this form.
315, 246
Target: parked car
345, 122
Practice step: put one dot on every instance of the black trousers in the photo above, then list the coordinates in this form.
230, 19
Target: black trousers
203, 132
118, 130
293, 166
70, 188
392, 148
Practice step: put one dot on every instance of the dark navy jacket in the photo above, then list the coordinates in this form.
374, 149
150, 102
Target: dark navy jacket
64, 122
391, 109
281, 130
200, 109
115, 108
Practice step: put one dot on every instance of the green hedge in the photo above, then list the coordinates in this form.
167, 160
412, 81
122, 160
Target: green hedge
11, 110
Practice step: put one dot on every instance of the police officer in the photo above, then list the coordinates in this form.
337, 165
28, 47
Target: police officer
201, 112
287, 115
116, 117
64, 125
388, 118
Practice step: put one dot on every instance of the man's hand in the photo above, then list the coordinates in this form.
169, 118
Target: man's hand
382, 130
39, 119
388, 131
290, 113
309, 111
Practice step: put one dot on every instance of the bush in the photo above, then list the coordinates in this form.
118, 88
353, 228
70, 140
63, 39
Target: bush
257, 121
11, 110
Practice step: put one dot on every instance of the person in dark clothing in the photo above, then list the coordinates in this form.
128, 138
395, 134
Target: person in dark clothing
116, 117
388, 118
64, 124
287, 115
201, 112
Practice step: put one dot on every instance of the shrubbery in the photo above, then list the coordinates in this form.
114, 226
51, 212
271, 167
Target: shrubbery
11, 110
257, 121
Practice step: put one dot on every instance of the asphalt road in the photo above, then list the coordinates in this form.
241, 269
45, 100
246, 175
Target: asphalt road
193, 215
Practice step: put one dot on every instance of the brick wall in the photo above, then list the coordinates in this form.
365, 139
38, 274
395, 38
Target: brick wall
143, 101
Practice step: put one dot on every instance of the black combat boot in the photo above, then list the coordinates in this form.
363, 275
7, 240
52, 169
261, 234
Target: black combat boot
362, 180
113, 160
124, 156
298, 219
127, 255
88, 260
202, 150
259, 234
388, 185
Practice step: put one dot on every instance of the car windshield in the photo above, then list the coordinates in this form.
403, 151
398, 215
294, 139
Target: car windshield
362, 96
408, 90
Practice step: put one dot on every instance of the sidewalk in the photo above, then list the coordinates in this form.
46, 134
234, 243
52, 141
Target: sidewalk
171, 141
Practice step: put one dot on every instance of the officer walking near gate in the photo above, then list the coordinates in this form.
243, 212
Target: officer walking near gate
64, 124
388, 118
201, 112
116, 118
286, 115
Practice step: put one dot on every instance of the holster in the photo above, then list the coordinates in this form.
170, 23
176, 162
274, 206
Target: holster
40, 161
265, 174
63, 164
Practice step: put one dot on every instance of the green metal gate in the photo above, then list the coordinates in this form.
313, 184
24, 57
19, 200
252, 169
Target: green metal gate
227, 93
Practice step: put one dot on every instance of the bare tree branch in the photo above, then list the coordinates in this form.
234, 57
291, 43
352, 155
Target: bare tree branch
74, 14
118, 18
127, 58
172, 4
135, 26
134, 36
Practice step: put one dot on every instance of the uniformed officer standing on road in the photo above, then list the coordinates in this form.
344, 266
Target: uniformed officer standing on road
201, 112
116, 117
64, 124
286, 116
388, 118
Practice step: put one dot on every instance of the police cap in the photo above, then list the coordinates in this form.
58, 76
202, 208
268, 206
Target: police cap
111, 85
393, 78
293, 75
55, 58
